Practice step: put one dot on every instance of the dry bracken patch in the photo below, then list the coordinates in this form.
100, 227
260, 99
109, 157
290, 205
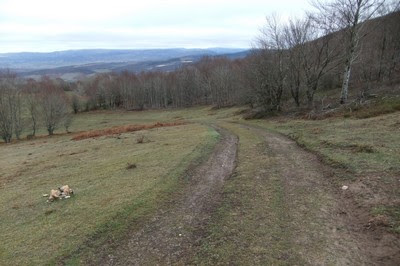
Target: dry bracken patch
122, 129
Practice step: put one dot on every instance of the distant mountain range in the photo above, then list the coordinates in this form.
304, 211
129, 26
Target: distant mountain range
76, 64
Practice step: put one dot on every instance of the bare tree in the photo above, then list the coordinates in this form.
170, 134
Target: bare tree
6, 116
320, 55
17, 113
75, 104
297, 34
67, 121
54, 105
379, 52
381, 49
271, 64
221, 83
10, 107
31, 94
348, 15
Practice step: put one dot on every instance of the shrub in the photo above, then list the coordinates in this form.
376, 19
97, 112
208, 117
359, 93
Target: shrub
130, 166
140, 139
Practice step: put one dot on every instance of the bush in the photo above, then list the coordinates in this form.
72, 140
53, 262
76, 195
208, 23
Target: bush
140, 139
130, 166
381, 107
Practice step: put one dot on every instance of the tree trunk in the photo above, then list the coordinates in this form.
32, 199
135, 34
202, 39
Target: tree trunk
295, 96
345, 86
34, 126
310, 99
50, 130
7, 137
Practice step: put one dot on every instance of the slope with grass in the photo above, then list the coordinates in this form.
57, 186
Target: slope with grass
171, 236
364, 155
108, 194
366, 150
282, 205
278, 209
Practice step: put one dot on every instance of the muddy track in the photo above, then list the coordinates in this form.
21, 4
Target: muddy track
172, 234
345, 241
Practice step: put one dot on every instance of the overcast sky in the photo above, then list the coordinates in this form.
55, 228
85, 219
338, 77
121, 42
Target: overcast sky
53, 25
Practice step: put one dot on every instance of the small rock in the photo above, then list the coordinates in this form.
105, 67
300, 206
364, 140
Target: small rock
345, 187
67, 197
45, 195
180, 234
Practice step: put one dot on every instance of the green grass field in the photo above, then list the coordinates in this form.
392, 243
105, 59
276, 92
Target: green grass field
109, 198
106, 193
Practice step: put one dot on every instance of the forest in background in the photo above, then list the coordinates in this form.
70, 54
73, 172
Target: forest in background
343, 53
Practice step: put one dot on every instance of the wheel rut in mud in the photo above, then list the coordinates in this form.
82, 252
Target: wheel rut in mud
169, 237
327, 227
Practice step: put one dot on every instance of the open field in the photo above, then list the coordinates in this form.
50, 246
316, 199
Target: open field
106, 192
98, 120
125, 149
282, 205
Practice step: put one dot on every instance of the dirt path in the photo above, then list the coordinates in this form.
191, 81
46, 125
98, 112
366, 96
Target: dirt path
324, 218
313, 207
170, 236
303, 217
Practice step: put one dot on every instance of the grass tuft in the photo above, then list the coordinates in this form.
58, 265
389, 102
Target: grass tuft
142, 139
388, 216
130, 166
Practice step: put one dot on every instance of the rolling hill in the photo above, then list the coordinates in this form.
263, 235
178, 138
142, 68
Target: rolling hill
75, 64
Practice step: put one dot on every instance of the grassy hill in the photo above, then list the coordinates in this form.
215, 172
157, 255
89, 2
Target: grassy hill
252, 222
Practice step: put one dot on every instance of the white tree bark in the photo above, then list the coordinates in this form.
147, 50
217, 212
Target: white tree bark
348, 15
345, 86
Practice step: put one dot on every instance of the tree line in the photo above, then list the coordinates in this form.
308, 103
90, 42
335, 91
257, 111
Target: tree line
343, 44
215, 81
31, 104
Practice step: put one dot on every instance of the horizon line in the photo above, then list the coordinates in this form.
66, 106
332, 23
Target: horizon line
130, 49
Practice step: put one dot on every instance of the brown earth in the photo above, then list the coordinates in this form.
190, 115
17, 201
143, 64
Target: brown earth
351, 237
121, 129
170, 236
319, 212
